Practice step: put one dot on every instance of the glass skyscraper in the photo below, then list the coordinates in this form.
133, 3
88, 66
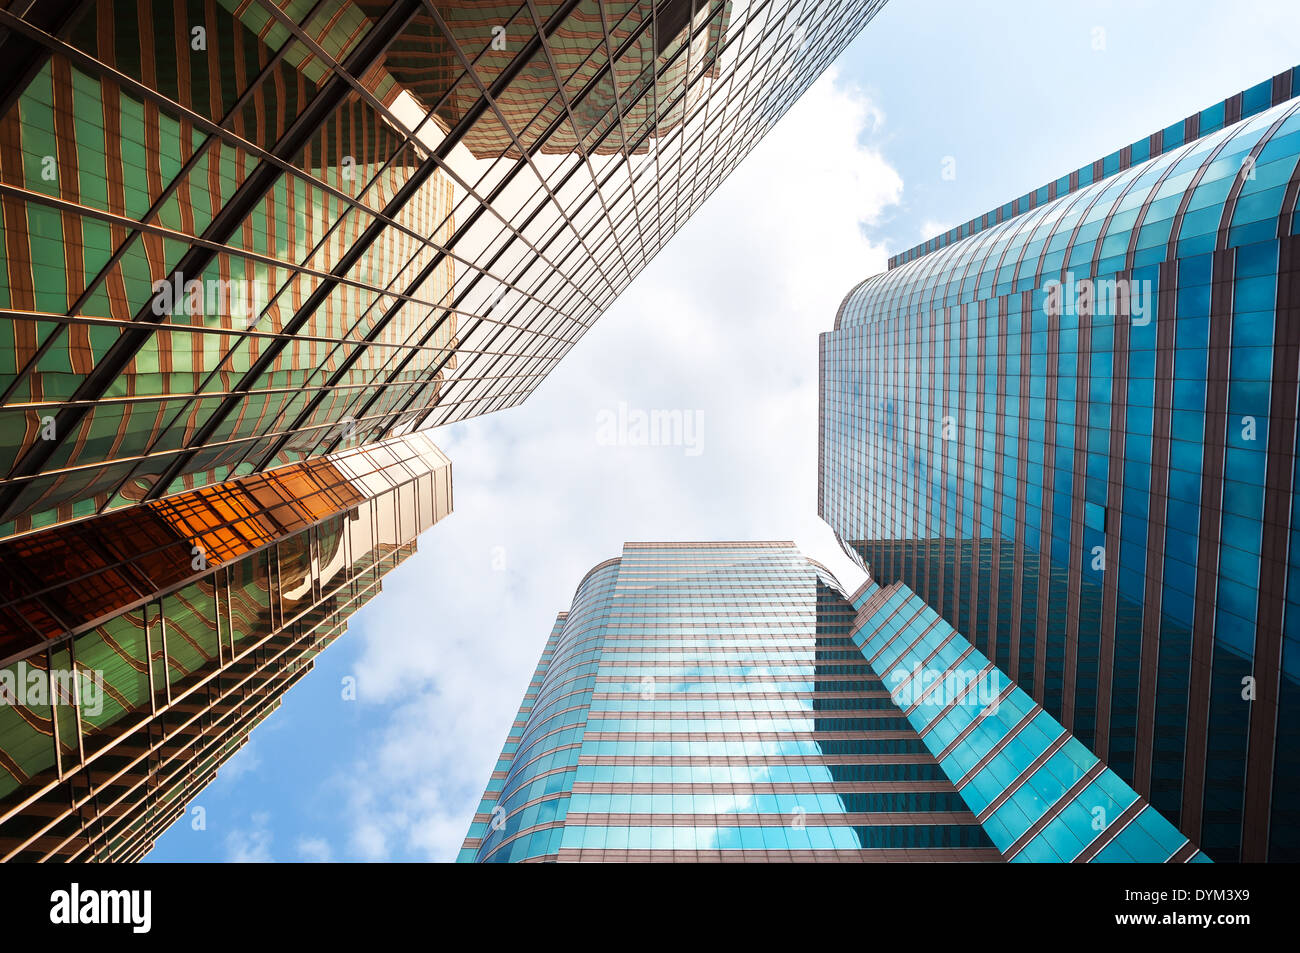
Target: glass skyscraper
240, 234
1070, 426
192, 616
727, 701
251, 249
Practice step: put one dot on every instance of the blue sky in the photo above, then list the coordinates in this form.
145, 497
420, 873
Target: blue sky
722, 325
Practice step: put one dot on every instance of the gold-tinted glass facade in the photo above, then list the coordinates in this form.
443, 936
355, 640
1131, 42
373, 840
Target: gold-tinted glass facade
173, 651
249, 249
241, 233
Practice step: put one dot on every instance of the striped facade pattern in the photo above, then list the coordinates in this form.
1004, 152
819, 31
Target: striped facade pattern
705, 702
1039, 793
424, 65
108, 730
113, 169
69, 578
1101, 497
392, 247
1243, 105
491, 813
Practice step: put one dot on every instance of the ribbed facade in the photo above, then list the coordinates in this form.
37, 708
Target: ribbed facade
242, 240
727, 702
1073, 432
237, 234
1243, 105
154, 642
1038, 792
706, 702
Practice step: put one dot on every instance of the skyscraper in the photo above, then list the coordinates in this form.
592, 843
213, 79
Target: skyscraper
727, 701
243, 240
191, 616
1070, 426
241, 234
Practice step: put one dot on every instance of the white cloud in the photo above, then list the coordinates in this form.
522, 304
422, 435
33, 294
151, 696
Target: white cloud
250, 845
930, 228
314, 849
369, 841
244, 761
724, 323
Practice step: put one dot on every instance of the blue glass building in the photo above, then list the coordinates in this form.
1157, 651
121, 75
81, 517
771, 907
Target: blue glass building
727, 701
1070, 426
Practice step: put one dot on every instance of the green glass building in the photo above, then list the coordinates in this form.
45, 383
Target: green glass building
249, 251
240, 234
190, 618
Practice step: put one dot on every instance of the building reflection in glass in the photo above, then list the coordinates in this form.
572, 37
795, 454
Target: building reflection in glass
116, 724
